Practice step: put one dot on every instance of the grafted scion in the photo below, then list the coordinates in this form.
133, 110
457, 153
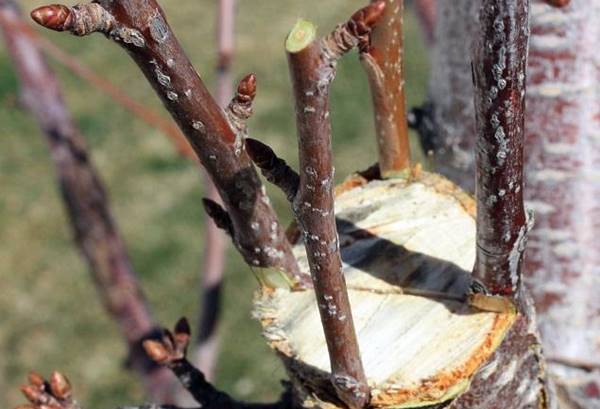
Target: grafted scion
217, 137
499, 68
312, 68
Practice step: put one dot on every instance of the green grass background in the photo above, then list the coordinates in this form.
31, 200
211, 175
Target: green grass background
50, 317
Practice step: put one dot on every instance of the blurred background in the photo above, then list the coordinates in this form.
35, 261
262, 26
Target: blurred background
50, 315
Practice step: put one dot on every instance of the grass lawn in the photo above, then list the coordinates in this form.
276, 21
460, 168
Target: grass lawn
50, 317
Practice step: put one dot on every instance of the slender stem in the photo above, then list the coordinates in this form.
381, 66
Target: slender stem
383, 60
171, 351
141, 28
499, 68
85, 199
426, 11
312, 67
207, 347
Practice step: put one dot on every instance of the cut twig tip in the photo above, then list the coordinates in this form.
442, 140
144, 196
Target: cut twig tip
55, 17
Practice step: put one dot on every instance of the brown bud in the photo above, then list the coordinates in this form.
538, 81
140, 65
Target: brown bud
219, 215
36, 379
558, 3
183, 327
369, 15
55, 17
156, 351
246, 90
33, 394
60, 385
262, 155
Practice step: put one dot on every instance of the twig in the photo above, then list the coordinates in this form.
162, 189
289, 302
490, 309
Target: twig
312, 66
207, 343
95, 231
171, 352
275, 169
141, 28
499, 67
55, 393
426, 11
383, 59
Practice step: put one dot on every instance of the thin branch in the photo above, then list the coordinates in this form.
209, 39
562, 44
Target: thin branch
499, 67
426, 11
141, 28
312, 66
383, 59
85, 199
207, 342
219, 216
275, 169
171, 351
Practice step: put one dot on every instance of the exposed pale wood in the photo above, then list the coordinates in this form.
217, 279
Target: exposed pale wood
407, 247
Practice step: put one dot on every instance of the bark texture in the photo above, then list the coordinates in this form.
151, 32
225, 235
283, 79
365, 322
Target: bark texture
499, 74
383, 60
86, 202
140, 26
312, 67
561, 162
563, 187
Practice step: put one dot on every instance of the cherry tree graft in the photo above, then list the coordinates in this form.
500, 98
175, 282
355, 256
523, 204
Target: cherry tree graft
312, 68
141, 28
95, 231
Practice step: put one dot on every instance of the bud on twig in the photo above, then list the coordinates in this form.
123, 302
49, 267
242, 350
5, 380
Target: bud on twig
60, 385
275, 169
55, 17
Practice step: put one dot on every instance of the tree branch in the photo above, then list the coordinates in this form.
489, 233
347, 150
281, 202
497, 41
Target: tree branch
383, 59
426, 11
275, 169
499, 68
85, 199
141, 28
171, 352
312, 66
207, 343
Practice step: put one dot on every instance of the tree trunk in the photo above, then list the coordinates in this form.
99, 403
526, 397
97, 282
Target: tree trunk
561, 161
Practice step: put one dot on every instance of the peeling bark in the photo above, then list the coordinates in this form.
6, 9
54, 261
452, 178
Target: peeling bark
86, 202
